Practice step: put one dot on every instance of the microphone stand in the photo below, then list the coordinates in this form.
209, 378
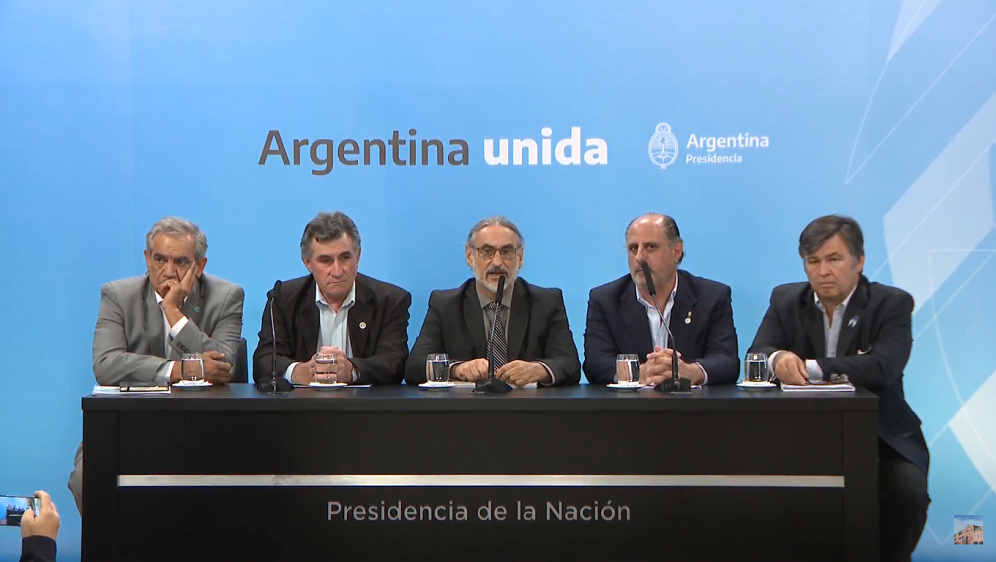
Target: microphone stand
491, 385
674, 384
276, 385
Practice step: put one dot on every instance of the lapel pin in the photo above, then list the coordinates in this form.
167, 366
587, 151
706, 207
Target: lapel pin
853, 322
363, 325
688, 319
197, 309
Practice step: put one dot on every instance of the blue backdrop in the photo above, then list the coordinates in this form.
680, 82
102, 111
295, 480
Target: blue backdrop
116, 114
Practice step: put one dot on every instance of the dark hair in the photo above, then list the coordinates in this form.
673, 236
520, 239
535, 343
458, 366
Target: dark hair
671, 231
327, 227
825, 228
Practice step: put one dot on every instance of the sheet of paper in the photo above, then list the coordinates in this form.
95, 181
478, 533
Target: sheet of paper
468, 384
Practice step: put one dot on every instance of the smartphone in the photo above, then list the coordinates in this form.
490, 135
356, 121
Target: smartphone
13, 507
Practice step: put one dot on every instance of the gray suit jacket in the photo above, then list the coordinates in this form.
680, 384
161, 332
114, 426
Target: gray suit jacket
128, 342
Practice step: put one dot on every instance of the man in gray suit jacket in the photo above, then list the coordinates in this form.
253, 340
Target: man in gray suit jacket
145, 324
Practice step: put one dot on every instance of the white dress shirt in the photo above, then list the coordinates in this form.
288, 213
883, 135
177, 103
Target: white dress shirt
162, 375
333, 325
657, 331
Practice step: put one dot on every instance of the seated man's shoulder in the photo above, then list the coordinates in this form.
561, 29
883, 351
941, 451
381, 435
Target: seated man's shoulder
889, 294
381, 287
126, 288
612, 289
788, 291
217, 284
547, 294
703, 284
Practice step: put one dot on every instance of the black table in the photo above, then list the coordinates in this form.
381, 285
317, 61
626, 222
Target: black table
382, 473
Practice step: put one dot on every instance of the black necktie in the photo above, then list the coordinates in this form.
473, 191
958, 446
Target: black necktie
500, 350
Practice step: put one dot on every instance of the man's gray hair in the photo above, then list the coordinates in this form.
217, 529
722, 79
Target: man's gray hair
491, 221
671, 231
176, 227
326, 227
825, 228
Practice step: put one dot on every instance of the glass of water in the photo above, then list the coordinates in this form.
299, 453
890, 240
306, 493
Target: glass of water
756, 368
192, 367
325, 367
628, 369
437, 368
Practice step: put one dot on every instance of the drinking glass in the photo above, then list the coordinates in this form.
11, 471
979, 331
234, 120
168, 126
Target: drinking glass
437, 368
628, 369
192, 367
756, 368
325, 367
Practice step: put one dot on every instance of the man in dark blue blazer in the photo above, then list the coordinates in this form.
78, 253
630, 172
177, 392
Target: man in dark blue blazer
840, 323
623, 319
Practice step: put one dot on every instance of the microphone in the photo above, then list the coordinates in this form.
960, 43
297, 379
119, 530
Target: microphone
273, 383
673, 384
493, 385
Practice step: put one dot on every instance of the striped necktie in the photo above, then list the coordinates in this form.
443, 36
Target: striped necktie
500, 351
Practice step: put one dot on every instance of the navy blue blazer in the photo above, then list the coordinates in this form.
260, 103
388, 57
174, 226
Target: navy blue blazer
617, 323
874, 346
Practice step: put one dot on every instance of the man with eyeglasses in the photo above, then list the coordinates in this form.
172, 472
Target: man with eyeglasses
533, 342
623, 318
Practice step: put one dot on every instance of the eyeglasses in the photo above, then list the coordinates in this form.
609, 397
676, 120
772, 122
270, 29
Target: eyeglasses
506, 252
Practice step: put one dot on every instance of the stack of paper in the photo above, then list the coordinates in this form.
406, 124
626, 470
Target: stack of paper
819, 387
98, 390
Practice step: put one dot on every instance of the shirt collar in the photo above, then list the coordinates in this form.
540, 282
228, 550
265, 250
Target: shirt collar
506, 298
346, 302
644, 302
841, 306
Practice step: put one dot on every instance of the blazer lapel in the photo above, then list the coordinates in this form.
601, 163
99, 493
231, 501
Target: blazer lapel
633, 316
310, 322
154, 322
681, 310
851, 317
812, 320
518, 320
193, 307
473, 317
360, 317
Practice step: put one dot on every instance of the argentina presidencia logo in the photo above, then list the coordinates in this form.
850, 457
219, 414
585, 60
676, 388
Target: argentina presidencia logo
663, 147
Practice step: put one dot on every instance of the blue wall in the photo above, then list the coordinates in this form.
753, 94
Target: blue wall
116, 114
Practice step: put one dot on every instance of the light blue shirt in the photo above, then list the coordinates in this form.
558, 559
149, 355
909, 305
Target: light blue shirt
831, 335
333, 326
657, 331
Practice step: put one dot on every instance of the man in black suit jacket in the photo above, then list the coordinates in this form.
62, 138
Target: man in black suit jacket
840, 323
623, 319
361, 320
539, 345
